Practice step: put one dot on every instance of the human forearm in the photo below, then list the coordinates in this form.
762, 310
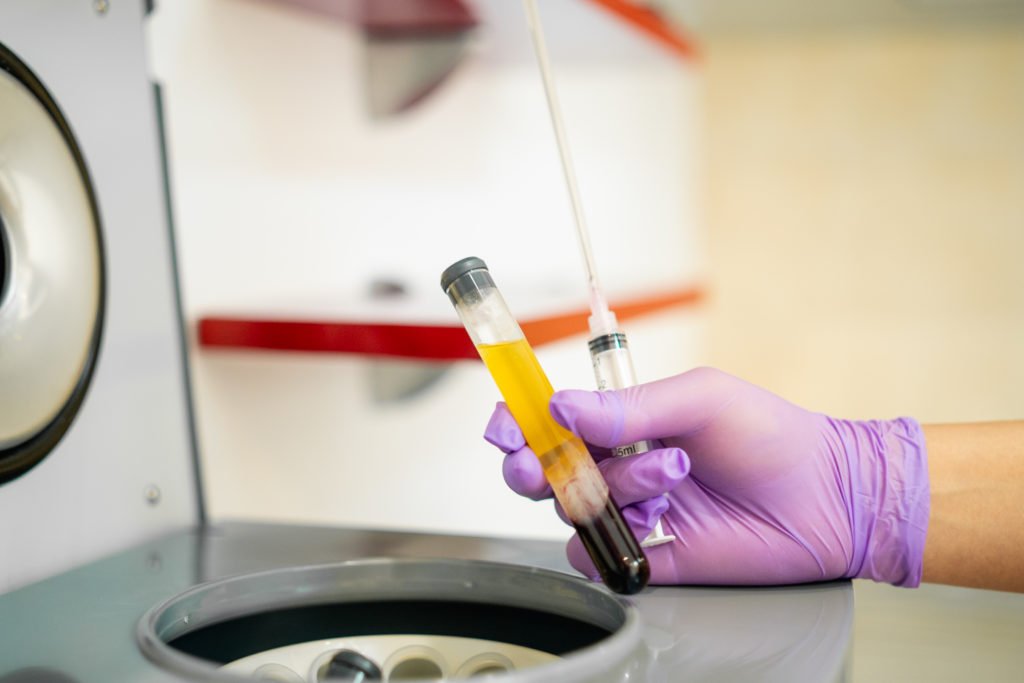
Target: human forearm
976, 529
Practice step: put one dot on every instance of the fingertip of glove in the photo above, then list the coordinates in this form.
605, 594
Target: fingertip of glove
565, 405
642, 517
523, 474
502, 430
676, 464
596, 416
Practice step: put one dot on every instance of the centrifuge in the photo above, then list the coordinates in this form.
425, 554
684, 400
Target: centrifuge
110, 570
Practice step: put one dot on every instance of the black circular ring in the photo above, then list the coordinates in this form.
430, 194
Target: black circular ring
5, 262
21, 457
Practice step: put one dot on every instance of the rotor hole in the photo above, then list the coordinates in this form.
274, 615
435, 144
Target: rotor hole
416, 669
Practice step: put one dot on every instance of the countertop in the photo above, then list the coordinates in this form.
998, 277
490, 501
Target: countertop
79, 626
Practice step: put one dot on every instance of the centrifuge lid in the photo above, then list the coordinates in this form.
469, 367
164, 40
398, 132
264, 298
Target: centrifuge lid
52, 281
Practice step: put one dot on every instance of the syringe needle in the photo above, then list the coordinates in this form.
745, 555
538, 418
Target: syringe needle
609, 350
597, 300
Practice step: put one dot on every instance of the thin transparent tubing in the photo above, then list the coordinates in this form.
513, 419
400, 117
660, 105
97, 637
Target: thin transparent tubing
597, 301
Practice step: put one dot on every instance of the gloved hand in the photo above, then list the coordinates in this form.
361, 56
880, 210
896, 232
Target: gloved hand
759, 491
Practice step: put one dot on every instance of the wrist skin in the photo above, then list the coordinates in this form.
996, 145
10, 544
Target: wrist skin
976, 530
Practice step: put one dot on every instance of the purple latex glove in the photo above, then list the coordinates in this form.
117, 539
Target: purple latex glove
759, 491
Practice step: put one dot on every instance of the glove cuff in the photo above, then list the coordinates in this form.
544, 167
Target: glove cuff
889, 499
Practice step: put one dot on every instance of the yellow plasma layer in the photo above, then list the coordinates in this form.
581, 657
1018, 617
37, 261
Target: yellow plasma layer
568, 467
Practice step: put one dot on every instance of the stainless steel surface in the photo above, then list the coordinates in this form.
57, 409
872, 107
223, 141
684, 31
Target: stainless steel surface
81, 623
83, 500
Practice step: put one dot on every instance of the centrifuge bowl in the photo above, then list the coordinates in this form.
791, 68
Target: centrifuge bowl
594, 634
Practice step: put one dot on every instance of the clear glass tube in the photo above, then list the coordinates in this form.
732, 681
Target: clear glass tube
568, 466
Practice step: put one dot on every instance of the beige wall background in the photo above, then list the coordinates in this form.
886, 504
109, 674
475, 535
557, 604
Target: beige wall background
864, 197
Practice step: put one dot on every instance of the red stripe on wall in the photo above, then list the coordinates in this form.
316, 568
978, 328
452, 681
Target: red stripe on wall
425, 342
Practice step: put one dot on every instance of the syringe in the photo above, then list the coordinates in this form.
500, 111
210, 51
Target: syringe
609, 350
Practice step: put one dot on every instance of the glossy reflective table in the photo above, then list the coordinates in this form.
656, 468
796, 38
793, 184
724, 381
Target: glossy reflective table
79, 626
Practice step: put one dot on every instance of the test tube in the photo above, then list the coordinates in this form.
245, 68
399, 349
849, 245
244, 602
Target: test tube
574, 477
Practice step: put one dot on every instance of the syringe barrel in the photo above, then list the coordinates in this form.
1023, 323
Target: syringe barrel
574, 477
613, 366
613, 369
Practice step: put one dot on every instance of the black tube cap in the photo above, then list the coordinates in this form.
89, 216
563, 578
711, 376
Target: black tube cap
349, 665
460, 268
